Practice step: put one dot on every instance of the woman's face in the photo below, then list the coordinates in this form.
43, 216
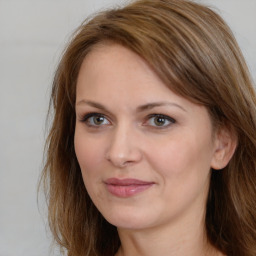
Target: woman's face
145, 152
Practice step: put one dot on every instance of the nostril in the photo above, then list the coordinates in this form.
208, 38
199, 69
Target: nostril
124, 158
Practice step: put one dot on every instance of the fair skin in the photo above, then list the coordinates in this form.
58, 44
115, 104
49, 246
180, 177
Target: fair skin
145, 155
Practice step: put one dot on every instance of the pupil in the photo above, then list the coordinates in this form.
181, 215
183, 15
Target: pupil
159, 121
98, 119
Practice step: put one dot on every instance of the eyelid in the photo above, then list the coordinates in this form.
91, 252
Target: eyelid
86, 117
168, 118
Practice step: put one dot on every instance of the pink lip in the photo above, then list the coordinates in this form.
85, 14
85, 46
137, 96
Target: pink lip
126, 187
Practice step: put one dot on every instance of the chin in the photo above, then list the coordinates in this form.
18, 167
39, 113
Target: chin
129, 224
130, 219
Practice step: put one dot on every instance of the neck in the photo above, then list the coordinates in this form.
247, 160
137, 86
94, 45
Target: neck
168, 240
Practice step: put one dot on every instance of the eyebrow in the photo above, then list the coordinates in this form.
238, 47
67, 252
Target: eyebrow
91, 103
141, 108
159, 104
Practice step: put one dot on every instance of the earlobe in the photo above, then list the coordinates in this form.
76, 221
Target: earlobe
225, 146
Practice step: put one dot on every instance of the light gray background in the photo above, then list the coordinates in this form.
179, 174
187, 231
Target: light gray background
32, 36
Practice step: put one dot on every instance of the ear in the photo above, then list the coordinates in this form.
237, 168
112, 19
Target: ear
225, 146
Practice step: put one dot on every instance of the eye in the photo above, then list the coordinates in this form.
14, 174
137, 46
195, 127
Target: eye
159, 120
95, 119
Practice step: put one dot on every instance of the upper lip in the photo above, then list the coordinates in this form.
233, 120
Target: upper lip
126, 182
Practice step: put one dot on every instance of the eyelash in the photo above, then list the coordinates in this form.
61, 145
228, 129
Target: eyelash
86, 119
164, 118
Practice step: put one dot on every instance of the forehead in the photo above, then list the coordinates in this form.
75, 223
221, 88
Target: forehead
114, 67
112, 58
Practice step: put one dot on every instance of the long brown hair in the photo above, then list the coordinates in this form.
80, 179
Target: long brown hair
194, 52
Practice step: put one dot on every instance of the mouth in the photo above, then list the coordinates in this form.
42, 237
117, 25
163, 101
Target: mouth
126, 187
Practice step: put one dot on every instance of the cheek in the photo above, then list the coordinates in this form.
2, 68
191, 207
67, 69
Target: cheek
183, 159
88, 151
90, 156
183, 167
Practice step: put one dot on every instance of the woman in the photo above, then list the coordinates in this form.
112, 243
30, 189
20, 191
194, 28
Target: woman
152, 149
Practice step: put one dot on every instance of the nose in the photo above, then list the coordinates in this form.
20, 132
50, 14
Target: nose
124, 149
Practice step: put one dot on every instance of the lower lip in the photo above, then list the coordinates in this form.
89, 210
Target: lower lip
127, 190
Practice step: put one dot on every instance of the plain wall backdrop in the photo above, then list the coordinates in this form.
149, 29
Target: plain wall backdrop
32, 36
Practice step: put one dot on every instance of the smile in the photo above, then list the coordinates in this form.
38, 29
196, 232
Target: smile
126, 187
